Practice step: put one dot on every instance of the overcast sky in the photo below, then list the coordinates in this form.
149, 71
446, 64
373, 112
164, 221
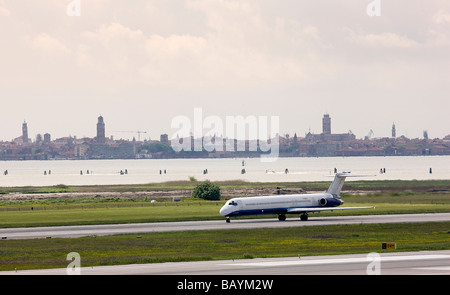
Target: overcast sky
141, 63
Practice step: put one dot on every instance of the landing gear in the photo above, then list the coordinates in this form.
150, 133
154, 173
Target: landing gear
304, 217
281, 217
228, 220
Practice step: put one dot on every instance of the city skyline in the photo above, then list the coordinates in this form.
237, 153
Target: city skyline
100, 133
212, 145
143, 63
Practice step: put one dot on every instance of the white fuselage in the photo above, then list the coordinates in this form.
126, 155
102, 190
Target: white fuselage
278, 204
290, 204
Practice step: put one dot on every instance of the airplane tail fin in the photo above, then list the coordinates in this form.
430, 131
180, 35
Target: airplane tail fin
338, 182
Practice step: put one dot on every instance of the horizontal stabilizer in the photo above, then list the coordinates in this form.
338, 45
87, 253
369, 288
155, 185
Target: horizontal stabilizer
338, 182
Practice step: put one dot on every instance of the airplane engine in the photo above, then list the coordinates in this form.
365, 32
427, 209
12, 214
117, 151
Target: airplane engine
322, 202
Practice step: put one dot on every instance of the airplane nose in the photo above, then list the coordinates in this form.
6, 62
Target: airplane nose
222, 211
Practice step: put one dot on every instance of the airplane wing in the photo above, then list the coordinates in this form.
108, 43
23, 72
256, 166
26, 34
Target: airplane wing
319, 209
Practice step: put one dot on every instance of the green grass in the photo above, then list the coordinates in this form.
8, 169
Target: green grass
219, 245
51, 212
112, 213
389, 197
391, 185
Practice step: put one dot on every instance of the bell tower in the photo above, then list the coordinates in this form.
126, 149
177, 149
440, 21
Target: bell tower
24, 132
326, 124
101, 130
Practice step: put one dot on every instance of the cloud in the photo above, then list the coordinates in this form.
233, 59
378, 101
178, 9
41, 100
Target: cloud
235, 50
231, 44
255, 47
129, 56
442, 17
175, 45
4, 11
114, 31
387, 39
46, 43
300, 56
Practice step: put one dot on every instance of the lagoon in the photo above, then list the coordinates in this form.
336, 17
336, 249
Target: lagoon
141, 171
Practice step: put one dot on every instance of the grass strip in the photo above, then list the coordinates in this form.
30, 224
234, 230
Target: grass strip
223, 245
393, 185
110, 211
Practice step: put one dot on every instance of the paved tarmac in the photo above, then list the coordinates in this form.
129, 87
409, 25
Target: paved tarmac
393, 263
398, 263
140, 228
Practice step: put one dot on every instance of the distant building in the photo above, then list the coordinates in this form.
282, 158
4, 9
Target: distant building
326, 143
164, 138
24, 132
47, 138
326, 124
81, 151
100, 130
117, 150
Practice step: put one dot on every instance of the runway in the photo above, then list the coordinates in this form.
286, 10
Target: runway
140, 228
401, 263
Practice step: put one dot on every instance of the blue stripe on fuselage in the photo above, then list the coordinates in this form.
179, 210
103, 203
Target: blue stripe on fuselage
259, 212
269, 211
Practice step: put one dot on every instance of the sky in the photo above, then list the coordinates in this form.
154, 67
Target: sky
140, 64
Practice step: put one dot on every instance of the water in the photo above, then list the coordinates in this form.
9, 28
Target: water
105, 172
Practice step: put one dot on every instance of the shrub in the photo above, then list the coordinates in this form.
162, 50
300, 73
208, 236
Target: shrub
206, 191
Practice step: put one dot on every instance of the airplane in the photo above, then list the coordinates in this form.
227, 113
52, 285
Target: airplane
290, 204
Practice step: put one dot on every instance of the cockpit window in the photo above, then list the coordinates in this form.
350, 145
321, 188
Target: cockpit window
232, 203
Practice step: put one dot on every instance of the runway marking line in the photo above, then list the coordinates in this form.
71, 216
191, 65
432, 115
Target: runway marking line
434, 268
338, 260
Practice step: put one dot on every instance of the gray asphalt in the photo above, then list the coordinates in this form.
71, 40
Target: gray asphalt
399, 263
140, 228
406, 263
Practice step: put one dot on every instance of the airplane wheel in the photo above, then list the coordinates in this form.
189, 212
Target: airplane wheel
227, 220
281, 217
304, 217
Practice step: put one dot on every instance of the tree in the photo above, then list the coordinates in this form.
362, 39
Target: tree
206, 191
156, 147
